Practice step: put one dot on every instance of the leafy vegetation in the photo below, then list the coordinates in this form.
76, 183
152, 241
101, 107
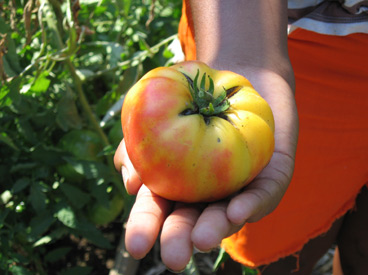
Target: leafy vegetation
64, 67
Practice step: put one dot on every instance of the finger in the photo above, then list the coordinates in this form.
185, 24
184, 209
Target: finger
263, 195
122, 163
144, 223
212, 226
176, 243
118, 157
250, 205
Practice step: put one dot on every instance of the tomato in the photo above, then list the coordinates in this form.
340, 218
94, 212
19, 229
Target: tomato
83, 145
101, 215
196, 134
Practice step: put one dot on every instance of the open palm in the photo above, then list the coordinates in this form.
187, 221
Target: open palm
182, 225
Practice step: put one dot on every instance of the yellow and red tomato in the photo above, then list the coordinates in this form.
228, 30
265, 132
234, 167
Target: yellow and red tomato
196, 134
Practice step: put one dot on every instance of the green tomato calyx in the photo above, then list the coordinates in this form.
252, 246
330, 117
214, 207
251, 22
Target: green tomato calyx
203, 99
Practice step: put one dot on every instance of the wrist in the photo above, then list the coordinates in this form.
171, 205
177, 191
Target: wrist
253, 71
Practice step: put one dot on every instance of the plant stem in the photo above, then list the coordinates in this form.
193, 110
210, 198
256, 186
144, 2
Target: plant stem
93, 120
88, 112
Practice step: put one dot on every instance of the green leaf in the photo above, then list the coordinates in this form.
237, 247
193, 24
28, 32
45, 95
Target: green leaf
130, 76
19, 270
168, 54
23, 166
249, 271
41, 84
84, 74
8, 70
41, 223
108, 150
72, 40
105, 102
57, 253
220, 98
126, 4
191, 268
26, 130
222, 107
8, 141
46, 155
42, 241
67, 115
203, 82
20, 184
18, 258
14, 88
67, 217
4, 27
3, 215
37, 197
98, 191
90, 232
5, 197
221, 258
114, 51
76, 196
11, 60
211, 89
90, 169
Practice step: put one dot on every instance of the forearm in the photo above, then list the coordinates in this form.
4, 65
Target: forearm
243, 34
249, 37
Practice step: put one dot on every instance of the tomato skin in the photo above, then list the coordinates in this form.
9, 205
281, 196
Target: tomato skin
186, 157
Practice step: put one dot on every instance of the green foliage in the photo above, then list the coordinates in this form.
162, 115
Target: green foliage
223, 257
63, 65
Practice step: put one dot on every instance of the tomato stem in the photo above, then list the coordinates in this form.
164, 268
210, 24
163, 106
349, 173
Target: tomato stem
203, 99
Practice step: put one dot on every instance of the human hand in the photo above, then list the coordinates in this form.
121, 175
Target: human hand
182, 225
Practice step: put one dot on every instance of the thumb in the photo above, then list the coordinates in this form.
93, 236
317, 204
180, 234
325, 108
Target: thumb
123, 164
264, 193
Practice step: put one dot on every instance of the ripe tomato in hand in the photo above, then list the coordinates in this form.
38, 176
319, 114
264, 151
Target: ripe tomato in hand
196, 134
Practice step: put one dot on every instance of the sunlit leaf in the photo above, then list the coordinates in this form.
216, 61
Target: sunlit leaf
67, 217
42, 241
41, 84
221, 258
8, 141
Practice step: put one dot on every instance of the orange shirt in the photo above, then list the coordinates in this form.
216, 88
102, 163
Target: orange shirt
332, 155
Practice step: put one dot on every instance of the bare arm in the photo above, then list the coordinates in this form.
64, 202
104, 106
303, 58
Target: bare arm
243, 34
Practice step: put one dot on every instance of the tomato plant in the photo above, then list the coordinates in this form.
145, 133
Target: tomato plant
115, 134
101, 214
196, 134
82, 145
63, 66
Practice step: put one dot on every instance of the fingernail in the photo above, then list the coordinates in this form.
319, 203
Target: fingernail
125, 174
196, 250
174, 271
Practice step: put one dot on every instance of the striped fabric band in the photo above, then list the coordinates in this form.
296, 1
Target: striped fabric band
334, 17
